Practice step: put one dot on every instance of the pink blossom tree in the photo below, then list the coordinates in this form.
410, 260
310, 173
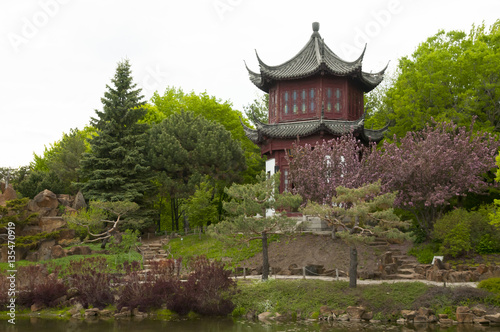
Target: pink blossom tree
430, 167
427, 168
317, 170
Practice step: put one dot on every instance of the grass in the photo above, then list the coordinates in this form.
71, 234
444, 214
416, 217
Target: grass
192, 245
305, 297
114, 261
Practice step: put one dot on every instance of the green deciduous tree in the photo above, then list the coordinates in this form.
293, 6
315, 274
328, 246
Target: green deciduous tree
116, 168
248, 206
175, 100
453, 76
185, 148
258, 109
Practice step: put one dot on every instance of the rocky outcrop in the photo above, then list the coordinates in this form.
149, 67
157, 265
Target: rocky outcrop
7, 194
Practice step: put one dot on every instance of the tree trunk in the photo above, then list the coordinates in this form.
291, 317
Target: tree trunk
265, 257
353, 267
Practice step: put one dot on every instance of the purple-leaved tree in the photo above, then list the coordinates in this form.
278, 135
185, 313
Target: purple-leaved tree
432, 166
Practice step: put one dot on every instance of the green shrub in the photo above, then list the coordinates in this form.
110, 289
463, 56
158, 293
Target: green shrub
491, 285
425, 252
461, 231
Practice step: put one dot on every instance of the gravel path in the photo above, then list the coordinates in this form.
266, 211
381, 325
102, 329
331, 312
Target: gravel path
366, 282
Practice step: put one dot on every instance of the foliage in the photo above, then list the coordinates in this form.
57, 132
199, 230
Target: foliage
205, 292
37, 285
37, 181
89, 276
201, 210
128, 241
185, 148
258, 109
461, 232
433, 166
14, 175
95, 220
452, 76
116, 168
425, 252
317, 170
16, 211
150, 291
491, 285
210, 287
359, 212
249, 207
31, 241
175, 101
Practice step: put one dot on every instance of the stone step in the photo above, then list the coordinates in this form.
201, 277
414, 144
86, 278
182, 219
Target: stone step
408, 265
406, 271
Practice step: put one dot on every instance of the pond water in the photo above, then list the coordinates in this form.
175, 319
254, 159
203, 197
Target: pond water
212, 325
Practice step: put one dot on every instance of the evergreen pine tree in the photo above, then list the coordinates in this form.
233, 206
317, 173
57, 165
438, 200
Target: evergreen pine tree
116, 168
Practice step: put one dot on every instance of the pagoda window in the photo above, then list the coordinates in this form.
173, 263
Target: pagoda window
275, 103
294, 98
311, 99
329, 95
338, 100
285, 179
304, 100
285, 104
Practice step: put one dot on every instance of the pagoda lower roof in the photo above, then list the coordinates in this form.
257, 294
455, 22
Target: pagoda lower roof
292, 130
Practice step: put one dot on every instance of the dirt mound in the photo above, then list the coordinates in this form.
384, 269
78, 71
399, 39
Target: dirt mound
311, 249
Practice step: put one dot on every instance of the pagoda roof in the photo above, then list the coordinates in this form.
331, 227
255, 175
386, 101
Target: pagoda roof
292, 130
313, 58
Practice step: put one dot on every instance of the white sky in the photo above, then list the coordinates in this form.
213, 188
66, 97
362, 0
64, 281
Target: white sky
56, 56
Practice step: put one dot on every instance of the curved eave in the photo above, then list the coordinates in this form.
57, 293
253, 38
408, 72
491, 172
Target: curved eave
377, 135
371, 81
252, 134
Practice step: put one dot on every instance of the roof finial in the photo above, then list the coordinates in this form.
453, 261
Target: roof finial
315, 26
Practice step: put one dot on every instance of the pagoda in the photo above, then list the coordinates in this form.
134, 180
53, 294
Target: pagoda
314, 96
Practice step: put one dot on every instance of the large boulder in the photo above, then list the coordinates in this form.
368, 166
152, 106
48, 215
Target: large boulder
79, 202
45, 204
8, 194
51, 224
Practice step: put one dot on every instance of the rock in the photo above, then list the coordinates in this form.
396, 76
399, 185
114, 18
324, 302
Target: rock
425, 312
137, 313
432, 319
45, 250
460, 276
250, 315
57, 252
367, 315
401, 321
8, 194
409, 315
446, 321
465, 318
438, 265
45, 204
66, 234
481, 320
343, 318
79, 202
51, 224
493, 318
478, 310
355, 312
65, 200
37, 306
419, 319
106, 313
264, 316
91, 312
442, 316
324, 310
482, 269
80, 250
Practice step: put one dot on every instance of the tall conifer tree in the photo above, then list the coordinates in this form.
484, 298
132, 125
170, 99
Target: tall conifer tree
116, 168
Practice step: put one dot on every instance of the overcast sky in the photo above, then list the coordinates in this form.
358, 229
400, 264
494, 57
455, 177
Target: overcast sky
58, 55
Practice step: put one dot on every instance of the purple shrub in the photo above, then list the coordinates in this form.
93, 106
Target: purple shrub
36, 285
92, 281
209, 286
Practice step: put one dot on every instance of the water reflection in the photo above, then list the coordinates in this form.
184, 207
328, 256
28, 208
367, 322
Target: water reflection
216, 325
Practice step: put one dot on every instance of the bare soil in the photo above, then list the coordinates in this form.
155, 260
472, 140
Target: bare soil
311, 249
